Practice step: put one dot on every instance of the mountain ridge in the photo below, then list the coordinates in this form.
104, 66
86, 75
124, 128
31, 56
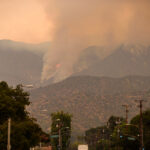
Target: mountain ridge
91, 100
21, 63
124, 61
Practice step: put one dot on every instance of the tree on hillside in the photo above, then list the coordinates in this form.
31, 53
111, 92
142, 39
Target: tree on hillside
61, 126
25, 132
125, 136
100, 137
130, 133
113, 121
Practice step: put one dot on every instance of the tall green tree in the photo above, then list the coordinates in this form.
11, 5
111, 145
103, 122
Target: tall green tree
25, 132
61, 122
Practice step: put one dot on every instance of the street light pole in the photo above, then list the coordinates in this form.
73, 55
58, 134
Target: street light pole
9, 130
60, 141
108, 135
118, 131
27, 86
59, 132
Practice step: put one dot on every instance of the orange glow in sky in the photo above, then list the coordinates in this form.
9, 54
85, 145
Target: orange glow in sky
58, 65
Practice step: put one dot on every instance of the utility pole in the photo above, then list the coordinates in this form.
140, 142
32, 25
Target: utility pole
127, 111
9, 130
108, 135
59, 125
141, 123
60, 141
118, 131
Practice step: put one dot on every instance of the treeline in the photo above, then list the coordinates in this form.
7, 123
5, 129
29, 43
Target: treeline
25, 132
117, 134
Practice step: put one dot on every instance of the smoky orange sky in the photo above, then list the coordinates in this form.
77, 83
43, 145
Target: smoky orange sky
73, 25
83, 23
24, 20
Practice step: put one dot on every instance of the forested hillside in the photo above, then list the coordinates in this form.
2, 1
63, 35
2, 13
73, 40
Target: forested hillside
91, 100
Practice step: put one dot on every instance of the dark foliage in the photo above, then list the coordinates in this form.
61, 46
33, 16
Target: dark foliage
61, 121
25, 132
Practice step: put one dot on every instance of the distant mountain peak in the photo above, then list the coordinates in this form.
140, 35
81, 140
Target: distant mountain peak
137, 49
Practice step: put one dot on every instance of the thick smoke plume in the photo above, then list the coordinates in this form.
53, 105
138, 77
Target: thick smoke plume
79, 24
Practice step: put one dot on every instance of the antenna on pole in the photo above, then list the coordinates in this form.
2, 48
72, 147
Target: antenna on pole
127, 111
